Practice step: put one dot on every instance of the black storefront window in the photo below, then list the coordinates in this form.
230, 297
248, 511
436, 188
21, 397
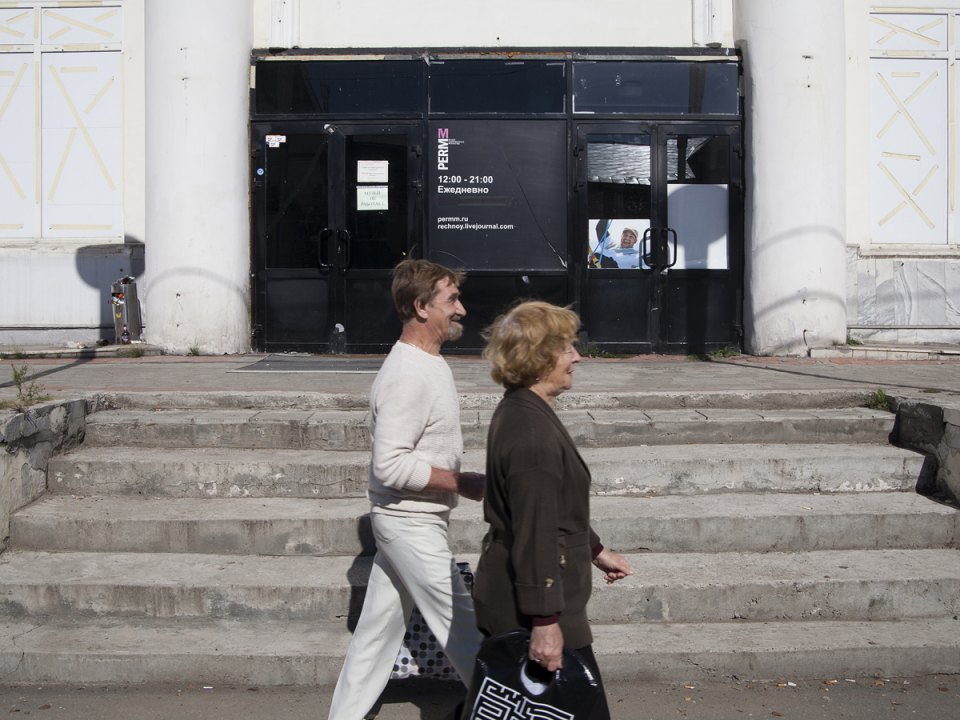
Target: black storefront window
497, 86
656, 88
346, 88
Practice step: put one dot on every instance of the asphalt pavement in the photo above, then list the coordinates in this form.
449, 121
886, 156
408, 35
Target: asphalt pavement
934, 697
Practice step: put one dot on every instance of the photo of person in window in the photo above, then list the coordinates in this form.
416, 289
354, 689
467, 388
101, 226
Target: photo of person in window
617, 245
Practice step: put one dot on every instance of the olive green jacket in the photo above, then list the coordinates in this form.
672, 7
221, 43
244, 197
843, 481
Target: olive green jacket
536, 557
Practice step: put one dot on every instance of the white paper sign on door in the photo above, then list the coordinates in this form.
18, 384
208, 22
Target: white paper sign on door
372, 197
373, 171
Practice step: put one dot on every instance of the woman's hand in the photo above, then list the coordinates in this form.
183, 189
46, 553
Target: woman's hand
614, 566
546, 646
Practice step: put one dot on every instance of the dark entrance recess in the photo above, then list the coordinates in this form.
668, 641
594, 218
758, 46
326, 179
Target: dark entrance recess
523, 170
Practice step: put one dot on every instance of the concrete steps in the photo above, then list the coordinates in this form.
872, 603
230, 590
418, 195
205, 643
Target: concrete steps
218, 652
347, 429
666, 587
640, 470
734, 522
222, 537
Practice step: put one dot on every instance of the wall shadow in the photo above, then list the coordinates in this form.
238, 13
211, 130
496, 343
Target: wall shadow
101, 265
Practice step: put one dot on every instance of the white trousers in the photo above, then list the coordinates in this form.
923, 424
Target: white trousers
413, 566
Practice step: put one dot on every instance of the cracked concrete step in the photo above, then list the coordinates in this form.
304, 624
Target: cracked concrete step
347, 429
641, 470
666, 587
643, 399
742, 522
219, 652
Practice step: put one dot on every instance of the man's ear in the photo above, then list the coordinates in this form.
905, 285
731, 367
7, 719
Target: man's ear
420, 309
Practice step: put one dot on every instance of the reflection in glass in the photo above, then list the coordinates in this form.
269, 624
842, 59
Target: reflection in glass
331, 86
649, 87
617, 243
618, 200
296, 192
497, 86
619, 197
698, 200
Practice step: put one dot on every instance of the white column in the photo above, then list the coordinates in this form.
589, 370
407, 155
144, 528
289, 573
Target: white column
794, 67
197, 220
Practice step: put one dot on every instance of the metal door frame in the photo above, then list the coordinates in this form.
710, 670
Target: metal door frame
334, 253
658, 285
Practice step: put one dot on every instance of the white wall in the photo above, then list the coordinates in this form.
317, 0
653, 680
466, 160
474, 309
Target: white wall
901, 292
56, 268
474, 23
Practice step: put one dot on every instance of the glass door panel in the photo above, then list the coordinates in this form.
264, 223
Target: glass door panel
661, 241
332, 216
618, 200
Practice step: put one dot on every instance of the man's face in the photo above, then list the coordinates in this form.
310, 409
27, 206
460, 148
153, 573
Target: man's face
627, 239
445, 311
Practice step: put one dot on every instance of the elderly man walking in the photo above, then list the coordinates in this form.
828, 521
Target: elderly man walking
414, 482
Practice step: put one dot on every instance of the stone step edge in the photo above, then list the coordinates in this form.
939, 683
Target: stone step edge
303, 456
306, 575
237, 399
238, 525
637, 470
311, 653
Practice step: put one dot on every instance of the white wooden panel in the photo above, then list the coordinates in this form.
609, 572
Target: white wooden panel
909, 162
81, 144
18, 147
65, 26
911, 33
16, 27
699, 214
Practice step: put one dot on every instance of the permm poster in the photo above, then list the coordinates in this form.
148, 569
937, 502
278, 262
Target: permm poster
497, 194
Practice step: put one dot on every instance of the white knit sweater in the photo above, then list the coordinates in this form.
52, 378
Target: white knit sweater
414, 426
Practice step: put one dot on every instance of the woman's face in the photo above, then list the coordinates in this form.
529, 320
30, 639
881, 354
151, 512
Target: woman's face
560, 378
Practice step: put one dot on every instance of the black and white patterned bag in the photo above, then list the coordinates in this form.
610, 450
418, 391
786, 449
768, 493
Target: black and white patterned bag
420, 654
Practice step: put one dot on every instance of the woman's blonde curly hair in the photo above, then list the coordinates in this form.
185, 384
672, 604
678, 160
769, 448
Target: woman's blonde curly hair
525, 342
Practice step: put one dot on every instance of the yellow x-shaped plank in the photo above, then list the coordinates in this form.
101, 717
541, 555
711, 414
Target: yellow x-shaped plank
899, 29
908, 200
5, 28
83, 131
73, 22
13, 90
3, 109
12, 178
916, 93
902, 109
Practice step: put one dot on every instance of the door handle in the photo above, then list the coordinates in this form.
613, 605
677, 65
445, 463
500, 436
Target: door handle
645, 254
671, 232
323, 248
345, 247
656, 248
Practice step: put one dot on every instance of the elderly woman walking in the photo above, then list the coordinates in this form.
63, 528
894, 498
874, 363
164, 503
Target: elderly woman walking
534, 571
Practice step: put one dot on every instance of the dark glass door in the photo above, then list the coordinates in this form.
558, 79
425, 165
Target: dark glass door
659, 208
335, 208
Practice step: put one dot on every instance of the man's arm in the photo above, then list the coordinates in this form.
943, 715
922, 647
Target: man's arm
468, 484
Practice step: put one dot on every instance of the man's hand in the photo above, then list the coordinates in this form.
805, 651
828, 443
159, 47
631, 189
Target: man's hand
471, 485
614, 566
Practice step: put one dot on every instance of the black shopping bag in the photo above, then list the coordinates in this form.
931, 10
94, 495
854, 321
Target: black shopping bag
503, 689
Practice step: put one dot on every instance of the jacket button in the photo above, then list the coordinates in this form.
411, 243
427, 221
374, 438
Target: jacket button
548, 582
